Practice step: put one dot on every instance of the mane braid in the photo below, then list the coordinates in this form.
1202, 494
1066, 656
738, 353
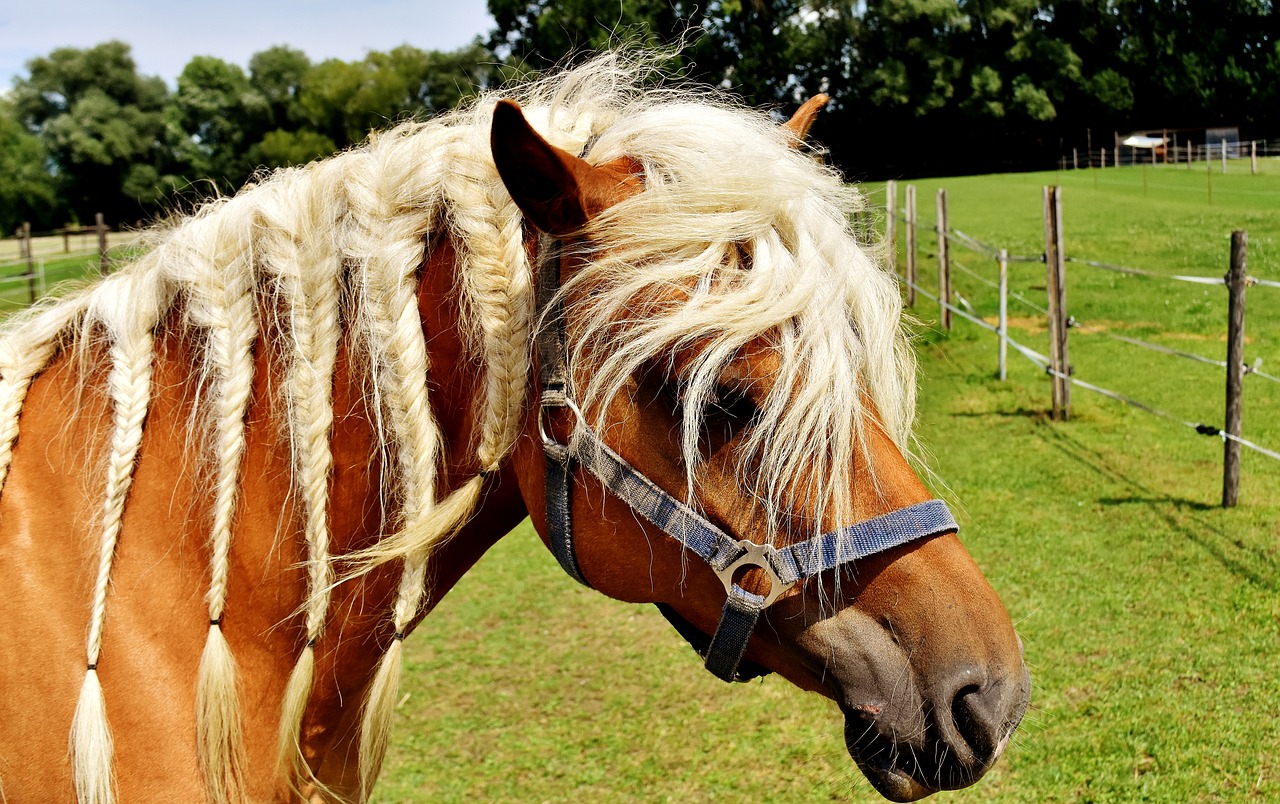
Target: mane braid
314, 319
129, 386
388, 250
229, 306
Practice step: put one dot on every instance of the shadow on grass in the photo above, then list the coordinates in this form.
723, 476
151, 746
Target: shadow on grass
1190, 505
1038, 414
1213, 541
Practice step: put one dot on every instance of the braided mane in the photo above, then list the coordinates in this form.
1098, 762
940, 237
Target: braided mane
338, 243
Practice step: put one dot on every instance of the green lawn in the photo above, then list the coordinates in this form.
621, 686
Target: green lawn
1151, 616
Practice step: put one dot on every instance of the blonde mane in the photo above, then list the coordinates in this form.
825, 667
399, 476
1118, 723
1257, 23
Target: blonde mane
755, 228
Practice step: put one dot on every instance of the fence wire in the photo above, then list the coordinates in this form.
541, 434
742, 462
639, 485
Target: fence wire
977, 246
1155, 347
1044, 363
1106, 266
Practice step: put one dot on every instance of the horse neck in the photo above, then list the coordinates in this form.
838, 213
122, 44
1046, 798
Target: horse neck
360, 609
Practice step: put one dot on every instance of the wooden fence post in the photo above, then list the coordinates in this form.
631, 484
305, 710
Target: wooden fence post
1208, 172
891, 220
1104, 157
1224, 157
1003, 260
1237, 281
944, 263
1056, 287
31, 264
911, 245
1253, 157
101, 226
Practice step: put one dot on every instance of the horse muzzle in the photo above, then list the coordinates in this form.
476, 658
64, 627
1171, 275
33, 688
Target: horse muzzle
917, 722
947, 741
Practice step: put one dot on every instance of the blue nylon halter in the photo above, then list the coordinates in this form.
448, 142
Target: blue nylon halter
785, 567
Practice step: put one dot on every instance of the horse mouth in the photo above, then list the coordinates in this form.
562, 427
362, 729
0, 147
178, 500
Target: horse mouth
892, 770
909, 771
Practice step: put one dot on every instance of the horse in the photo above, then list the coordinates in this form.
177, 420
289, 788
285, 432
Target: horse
237, 472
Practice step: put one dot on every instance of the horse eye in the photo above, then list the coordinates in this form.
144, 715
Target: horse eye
734, 405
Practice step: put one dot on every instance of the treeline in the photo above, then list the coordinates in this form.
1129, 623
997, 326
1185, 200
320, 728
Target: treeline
918, 86
83, 132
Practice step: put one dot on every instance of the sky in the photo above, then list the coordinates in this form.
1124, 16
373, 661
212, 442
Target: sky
165, 34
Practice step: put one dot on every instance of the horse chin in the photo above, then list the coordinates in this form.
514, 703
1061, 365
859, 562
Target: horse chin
897, 769
892, 773
894, 784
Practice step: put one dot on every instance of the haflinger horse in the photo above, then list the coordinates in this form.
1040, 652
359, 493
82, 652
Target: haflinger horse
236, 473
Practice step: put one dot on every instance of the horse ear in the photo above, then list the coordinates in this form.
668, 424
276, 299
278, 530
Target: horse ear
552, 187
802, 120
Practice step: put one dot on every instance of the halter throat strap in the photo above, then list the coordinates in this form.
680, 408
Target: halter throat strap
785, 567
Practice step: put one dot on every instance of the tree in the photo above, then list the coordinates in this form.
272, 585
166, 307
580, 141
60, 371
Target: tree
100, 122
282, 148
221, 115
774, 52
543, 33
28, 192
450, 77
345, 100
277, 74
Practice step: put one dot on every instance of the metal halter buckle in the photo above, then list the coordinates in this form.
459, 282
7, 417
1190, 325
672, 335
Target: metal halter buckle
756, 555
555, 399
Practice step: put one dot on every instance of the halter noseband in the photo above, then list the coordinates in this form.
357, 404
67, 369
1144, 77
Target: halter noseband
785, 567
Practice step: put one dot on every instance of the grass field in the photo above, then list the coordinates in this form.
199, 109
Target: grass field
57, 262
1151, 616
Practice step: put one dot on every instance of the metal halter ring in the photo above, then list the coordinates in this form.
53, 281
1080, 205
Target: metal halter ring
555, 399
756, 555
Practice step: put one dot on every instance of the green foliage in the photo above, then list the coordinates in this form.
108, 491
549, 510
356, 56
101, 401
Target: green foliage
84, 133
346, 100
542, 33
28, 190
282, 148
219, 113
277, 73
97, 118
916, 85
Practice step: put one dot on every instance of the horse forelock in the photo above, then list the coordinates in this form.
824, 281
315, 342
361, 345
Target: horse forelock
755, 231
754, 239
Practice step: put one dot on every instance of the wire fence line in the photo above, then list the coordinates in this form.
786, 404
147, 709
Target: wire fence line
974, 244
1155, 347
1106, 266
978, 246
1083, 327
1255, 370
965, 311
1043, 362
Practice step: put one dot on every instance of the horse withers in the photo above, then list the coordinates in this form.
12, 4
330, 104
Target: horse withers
238, 472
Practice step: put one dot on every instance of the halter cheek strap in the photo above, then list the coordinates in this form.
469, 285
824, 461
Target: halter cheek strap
785, 567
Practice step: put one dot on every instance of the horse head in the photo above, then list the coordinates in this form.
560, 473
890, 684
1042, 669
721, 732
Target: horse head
745, 458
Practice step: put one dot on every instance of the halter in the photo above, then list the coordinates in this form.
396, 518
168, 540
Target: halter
784, 567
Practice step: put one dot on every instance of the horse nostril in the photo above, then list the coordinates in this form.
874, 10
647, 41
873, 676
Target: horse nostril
977, 712
971, 712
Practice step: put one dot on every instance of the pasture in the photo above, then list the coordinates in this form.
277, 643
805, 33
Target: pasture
1151, 617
